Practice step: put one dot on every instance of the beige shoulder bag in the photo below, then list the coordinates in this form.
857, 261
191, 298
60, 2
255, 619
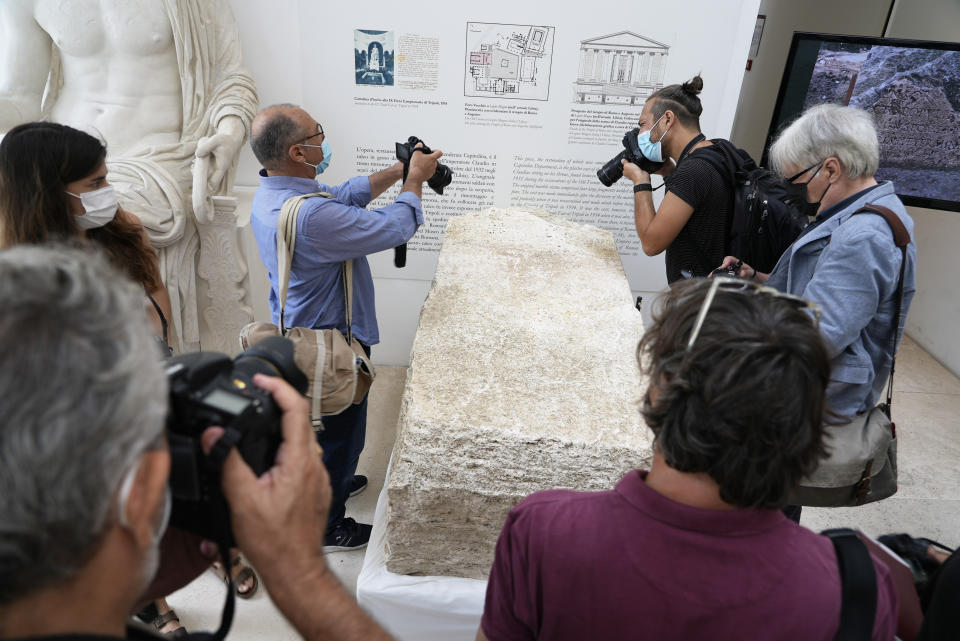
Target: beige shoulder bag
337, 369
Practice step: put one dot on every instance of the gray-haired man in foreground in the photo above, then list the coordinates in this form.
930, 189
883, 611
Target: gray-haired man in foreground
84, 466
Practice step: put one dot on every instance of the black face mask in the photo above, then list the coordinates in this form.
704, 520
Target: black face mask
798, 192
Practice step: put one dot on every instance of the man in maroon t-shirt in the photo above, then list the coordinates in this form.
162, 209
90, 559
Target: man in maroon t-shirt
697, 547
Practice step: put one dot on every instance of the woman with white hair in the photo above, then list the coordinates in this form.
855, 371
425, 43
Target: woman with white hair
848, 264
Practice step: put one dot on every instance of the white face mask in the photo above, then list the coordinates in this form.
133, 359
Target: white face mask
160, 525
100, 207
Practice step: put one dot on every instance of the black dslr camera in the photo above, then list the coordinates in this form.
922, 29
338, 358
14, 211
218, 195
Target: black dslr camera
207, 388
440, 179
612, 171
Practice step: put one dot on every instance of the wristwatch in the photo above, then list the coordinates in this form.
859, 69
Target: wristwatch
642, 187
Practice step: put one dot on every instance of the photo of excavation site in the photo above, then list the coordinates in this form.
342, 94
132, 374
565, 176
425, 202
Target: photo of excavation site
914, 95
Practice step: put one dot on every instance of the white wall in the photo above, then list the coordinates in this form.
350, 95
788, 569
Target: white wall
936, 308
280, 64
758, 94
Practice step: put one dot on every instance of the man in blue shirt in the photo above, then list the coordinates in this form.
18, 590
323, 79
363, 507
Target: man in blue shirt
292, 147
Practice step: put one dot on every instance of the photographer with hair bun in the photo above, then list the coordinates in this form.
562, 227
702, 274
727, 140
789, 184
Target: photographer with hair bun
693, 220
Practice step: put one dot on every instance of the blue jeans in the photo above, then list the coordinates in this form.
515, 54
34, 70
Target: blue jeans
342, 441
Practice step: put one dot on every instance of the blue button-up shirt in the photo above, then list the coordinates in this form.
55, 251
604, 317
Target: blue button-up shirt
849, 265
330, 231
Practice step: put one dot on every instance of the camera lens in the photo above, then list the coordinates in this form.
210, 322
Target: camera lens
440, 178
613, 170
272, 356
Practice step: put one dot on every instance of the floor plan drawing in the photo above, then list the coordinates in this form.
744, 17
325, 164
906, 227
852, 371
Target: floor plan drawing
508, 61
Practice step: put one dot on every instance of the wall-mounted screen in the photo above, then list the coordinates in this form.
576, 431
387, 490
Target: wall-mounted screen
912, 88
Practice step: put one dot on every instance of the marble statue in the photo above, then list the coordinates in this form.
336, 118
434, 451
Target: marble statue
523, 377
161, 81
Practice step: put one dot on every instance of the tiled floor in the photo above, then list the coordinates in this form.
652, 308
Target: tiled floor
926, 409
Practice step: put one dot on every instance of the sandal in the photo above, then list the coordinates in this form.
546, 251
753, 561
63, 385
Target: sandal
151, 616
240, 578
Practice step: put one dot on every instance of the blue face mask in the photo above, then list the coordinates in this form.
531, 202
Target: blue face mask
327, 155
651, 150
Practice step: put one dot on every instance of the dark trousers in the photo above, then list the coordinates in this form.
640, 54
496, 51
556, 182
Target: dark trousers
342, 441
941, 619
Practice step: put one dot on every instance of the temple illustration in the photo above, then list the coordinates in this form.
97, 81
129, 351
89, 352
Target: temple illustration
621, 68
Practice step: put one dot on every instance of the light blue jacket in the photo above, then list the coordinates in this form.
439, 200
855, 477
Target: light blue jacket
849, 266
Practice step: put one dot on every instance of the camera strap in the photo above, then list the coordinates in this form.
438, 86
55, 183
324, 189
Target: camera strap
690, 145
221, 449
226, 619
215, 460
400, 251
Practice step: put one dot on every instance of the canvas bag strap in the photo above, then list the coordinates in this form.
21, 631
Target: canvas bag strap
286, 243
346, 270
901, 238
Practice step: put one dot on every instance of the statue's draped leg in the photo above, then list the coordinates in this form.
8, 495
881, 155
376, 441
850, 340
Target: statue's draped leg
222, 295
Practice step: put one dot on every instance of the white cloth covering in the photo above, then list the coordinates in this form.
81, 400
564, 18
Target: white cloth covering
421, 608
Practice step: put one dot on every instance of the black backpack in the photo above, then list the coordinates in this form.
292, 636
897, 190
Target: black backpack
763, 222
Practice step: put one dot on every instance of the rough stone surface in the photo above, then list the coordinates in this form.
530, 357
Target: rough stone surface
523, 377
934, 142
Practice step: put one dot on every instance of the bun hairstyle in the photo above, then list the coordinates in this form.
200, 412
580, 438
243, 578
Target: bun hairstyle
683, 100
693, 86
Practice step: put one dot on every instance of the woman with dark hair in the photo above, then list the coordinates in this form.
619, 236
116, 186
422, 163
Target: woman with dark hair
693, 221
53, 187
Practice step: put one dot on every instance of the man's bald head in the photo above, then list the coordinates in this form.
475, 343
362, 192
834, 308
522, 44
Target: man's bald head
274, 130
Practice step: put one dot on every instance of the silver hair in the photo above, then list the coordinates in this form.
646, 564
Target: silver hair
83, 397
827, 130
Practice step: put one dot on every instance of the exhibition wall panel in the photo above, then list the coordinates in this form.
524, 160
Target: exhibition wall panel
527, 100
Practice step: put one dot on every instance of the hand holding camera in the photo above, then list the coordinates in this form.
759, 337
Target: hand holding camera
419, 164
736, 268
613, 170
728, 269
423, 166
207, 388
279, 517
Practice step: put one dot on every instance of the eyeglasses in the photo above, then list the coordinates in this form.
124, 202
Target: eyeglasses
746, 287
319, 133
816, 164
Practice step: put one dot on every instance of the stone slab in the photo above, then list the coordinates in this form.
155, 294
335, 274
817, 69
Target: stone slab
523, 377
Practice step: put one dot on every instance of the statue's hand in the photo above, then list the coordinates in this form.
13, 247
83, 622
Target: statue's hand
224, 146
